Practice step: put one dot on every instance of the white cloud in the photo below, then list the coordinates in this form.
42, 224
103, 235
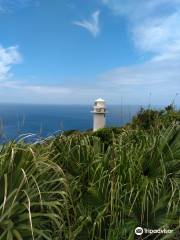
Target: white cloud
154, 26
151, 74
92, 25
15, 91
8, 57
46, 89
160, 36
140, 9
39, 89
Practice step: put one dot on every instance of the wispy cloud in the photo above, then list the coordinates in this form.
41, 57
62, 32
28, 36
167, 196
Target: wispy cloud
92, 25
8, 57
15, 91
154, 26
46, 89
140, 8
151, 73
159, 36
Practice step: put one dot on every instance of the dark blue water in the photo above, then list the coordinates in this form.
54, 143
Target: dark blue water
46, 120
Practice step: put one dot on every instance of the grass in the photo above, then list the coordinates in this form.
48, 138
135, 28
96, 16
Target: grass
78, 187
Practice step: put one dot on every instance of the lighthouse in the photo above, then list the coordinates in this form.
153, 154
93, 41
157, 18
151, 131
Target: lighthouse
99, 114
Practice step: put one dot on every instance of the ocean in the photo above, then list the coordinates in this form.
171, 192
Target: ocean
46, 120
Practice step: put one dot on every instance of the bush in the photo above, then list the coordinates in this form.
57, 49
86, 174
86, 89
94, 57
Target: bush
149, 118
70, 132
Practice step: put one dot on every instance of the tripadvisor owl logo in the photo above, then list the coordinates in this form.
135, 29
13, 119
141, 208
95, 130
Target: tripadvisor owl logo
139, 231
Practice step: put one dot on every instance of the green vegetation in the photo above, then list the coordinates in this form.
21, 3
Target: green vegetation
149, 118
94, 186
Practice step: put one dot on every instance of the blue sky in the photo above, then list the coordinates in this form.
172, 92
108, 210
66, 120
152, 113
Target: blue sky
73, 51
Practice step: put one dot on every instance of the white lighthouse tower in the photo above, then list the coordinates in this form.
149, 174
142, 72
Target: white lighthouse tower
99, 114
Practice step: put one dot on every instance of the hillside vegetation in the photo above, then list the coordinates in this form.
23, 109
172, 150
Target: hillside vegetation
94, 186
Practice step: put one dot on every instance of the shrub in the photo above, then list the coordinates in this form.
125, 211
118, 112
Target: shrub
149, 118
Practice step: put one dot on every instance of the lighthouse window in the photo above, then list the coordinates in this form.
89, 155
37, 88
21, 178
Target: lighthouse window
100, 110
